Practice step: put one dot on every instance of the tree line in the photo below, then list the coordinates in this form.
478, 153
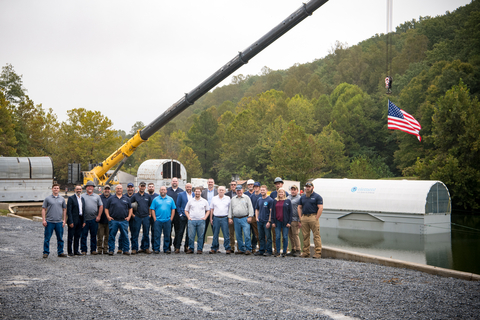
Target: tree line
327, 118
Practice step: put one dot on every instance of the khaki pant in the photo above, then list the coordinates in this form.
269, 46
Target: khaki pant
254, 230
231, 229
310, 223
102, 237
293, 235
274, 236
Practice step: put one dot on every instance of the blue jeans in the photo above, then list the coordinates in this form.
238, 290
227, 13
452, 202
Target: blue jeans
196, 227
123, 241
242, 226
137, 223
281, 227
216, 225
113, 227
166, 228
58, 227
92, 226
263, 232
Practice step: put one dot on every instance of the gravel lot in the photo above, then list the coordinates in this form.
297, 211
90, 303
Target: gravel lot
181, 286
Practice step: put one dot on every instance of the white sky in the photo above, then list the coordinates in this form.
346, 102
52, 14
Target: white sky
131, 60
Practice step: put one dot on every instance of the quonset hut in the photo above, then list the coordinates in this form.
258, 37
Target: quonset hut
25, 179
161, 172
404, 206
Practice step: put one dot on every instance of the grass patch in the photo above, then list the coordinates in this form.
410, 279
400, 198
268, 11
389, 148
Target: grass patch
4, 212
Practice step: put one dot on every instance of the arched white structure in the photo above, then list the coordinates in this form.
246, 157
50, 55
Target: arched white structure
406, 206
25, 179
161, 171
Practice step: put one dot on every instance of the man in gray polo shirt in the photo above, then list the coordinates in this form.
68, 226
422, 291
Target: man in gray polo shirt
92, 214
54, 216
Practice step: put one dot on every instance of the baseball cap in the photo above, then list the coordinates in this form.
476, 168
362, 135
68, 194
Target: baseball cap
130, 184
256, 184
277, 179
294, 187
106, 187
250, 181
239, 187
309, 184
142, 183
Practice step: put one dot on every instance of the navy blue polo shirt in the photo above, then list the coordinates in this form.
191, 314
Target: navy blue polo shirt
104, 219
264, 207
118, 208
174, 193
310, 204
143, 204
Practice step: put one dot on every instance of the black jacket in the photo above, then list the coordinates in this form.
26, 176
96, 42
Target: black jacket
73, 214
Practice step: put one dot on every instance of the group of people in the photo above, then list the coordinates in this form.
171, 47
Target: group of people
252, 217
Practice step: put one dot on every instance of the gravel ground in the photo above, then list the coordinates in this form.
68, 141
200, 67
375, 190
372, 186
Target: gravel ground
181, 286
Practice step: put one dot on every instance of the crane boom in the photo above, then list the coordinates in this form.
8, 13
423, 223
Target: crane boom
99, 173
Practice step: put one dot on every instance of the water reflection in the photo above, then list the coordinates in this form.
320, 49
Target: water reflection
457, 250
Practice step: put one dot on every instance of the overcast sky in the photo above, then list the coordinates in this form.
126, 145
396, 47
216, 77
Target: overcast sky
132, 60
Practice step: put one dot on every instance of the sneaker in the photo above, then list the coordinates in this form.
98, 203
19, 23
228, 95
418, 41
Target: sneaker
134, 251
258, 253
148, 251
284, 255
62, 255
126, 253
317, 256
77, 253
45, 256
94, 253
276, 254
110, 253
247, 253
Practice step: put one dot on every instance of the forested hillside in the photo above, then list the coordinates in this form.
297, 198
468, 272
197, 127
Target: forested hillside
327, 118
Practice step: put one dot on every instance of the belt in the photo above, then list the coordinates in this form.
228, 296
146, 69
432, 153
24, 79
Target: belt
307, 214
241, 217
220, 216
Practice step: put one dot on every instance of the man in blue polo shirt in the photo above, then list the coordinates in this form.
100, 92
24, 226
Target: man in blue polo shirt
310, 209
263, 214
118, 212
163, 211
141, 218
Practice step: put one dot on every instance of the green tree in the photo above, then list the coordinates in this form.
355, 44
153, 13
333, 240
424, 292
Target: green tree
190, 160
333, 150
202, 138
8, 141
12, 84
296, 156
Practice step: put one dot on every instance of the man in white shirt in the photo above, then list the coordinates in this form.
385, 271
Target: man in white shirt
197, 211
219, 219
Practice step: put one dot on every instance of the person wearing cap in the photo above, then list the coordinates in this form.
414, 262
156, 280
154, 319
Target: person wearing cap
263, 215
295, 225
124, 241
92, 215
310, 209
141, 219
102, 234
118, 212
163, 210
278, 182
240, 214
231, 229
173, 192
253, 225
75, 209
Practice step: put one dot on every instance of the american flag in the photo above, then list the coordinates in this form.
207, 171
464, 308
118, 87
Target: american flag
400, 120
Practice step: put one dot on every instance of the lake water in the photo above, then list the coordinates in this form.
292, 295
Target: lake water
458, 249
